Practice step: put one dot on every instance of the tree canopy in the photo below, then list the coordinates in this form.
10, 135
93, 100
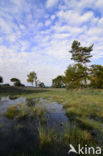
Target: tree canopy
16, 81
96, 76
58, 82
32, 77
75, 76
41, 85
1, 79
81, 54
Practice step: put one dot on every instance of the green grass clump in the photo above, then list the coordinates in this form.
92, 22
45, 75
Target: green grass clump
20, 112
18, 127
51, 140
25, 112
45, 137
41, 114
30, 102
12, 97
11, 112
78, 136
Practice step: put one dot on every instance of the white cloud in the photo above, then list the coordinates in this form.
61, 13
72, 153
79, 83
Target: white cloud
47, 23
53, 17
74, 18
51, 3
4, 26
37, 37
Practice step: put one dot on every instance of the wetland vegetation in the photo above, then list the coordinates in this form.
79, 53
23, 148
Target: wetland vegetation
48, 120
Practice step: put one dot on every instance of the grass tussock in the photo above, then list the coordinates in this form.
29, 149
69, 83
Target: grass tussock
11, 112
51, 140
20, 112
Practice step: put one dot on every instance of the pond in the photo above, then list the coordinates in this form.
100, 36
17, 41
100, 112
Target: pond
5, 102
21, 133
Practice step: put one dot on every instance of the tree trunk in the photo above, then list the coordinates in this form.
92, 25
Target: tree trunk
35, 83
85, 80
32, 83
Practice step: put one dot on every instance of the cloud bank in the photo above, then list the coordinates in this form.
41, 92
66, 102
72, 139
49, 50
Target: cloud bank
36, 35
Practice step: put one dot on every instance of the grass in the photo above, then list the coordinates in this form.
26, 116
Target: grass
52, 141
11, 112
12, 97
18, 127
20, 111
31, 102
84, 107
41, 113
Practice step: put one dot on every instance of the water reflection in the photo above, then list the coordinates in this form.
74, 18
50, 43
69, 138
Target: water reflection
21, 136
5, 102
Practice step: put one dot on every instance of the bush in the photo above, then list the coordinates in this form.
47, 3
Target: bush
6, 85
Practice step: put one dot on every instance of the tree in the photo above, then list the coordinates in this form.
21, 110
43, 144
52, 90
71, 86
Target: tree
32, 77
96, 76
41, 85
16, 81
1, 79
74, 76
58, 82
81, 55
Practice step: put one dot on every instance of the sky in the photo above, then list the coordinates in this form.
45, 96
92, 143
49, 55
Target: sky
36, 35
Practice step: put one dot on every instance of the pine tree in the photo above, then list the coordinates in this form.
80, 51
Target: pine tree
81, 55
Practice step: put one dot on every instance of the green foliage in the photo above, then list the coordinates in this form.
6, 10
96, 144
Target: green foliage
84, 108
30, 102
1, 79
96, 76
41, 85
82, 55
6, 85
75, 76
58, 82
32, 77
79, 53
16, 81
20, 111
11, 112
51, 139
13, 97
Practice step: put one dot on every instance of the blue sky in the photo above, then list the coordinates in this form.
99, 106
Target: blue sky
35, 35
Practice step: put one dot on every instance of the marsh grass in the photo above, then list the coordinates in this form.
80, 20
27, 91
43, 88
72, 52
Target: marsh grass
30, 102
11, 97
18, 127
11, 112
52, 140
41, 114
20, 112
84, 107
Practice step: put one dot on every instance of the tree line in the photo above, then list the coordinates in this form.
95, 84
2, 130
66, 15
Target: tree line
31, 78
79, 75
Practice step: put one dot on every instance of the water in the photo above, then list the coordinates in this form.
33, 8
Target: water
5, 102
55, 114
17, 136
